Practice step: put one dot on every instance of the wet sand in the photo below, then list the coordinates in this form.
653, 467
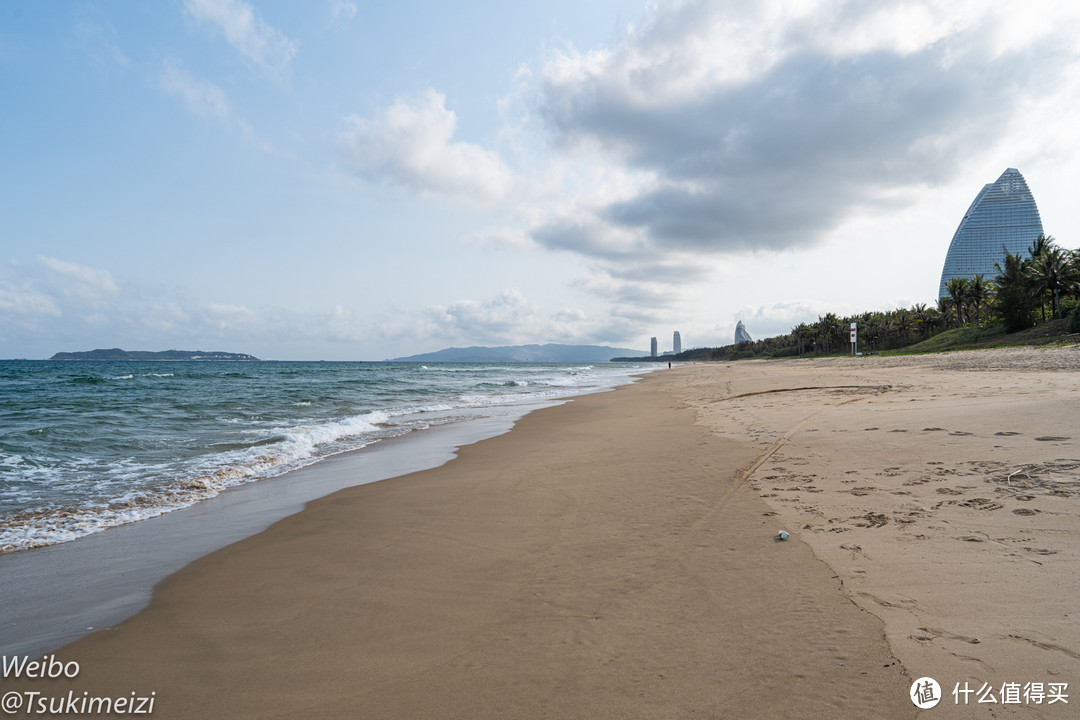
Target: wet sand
607, 558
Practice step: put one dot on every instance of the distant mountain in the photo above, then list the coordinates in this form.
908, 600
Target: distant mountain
550, 353
116, 354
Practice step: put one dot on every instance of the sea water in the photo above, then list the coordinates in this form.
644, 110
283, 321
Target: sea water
85, 446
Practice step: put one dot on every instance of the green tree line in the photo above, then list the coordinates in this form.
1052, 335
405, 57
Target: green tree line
1043, 283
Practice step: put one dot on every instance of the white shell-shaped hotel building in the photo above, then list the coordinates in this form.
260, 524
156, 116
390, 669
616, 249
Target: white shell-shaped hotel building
1003, 215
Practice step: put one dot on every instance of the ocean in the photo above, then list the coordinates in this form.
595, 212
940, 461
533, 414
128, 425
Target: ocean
86, 446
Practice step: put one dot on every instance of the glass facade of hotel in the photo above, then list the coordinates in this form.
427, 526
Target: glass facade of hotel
1003, 214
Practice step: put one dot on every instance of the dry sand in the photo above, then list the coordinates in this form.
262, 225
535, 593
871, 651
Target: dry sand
945, 492
604, 559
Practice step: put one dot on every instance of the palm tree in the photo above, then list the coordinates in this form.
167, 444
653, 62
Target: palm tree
1051, 272
903, 325
1072, 284
873, 324
918, 311
958, 291
838, 330
945, 310
1040, 245
1013, 293
888, 324
828, 330
934, 320
978, 293
801, 333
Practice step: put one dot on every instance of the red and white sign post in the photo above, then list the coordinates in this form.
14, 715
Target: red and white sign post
854, 342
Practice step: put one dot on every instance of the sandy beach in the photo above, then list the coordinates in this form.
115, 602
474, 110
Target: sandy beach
617, 557
943, 491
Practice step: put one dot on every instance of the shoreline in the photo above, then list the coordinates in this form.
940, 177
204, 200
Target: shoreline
602, 559
175, 441
616, 556
55, 594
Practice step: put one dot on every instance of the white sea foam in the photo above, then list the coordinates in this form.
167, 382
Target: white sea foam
13, 459
65, 498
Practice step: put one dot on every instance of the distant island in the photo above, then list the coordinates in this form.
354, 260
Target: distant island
116, 354
550, 353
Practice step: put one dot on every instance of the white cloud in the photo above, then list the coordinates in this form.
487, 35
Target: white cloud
99, 36
768, 124
507, 318
717, 129
411, 144
57, 305
342, 11
500, 238
163, 317
206, 99
25, 301
200, 96
260, 43
221, 316
81, 277
507, 315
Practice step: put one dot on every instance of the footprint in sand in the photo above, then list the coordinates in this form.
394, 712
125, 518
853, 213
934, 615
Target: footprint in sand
933, 429
855, 550
1024, 511
872, 520
907, 604
981, 503
1048, 646
1006, 433
1051, 438
959, 433
936, 633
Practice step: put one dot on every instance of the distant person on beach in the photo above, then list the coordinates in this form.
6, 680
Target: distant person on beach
669, 366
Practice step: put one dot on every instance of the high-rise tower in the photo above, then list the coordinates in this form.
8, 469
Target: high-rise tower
676, 343
653, 353
1003, 215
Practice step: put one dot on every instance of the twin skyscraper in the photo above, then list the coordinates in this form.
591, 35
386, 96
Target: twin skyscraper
676, 345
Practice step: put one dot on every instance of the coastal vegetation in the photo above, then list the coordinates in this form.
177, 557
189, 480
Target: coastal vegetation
118, 355
1034, 299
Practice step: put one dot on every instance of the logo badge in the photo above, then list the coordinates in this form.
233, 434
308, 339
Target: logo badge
925, 693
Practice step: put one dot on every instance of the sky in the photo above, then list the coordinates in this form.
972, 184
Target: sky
348, 180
